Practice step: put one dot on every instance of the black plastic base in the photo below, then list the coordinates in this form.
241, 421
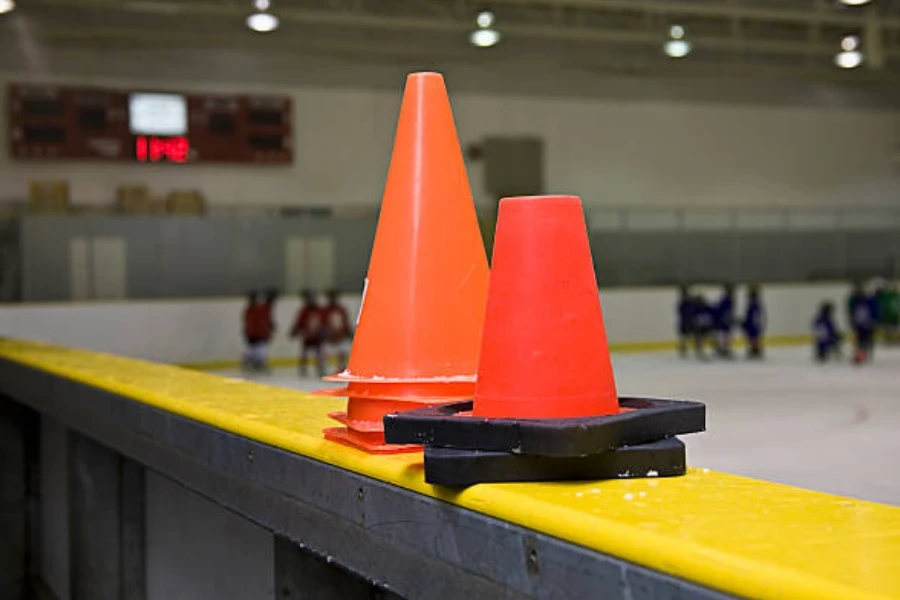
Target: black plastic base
446, 466
647, 420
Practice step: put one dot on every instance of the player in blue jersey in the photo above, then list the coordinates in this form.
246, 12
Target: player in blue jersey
826, 337
723, 321
702, 324
754, 323
862, 313
685, 310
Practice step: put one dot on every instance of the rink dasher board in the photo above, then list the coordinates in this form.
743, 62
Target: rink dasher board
397, 539
258, 451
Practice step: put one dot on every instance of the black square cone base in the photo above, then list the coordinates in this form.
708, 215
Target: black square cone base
644, 420
451, 467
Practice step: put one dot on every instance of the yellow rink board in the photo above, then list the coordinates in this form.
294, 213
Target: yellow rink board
743, 536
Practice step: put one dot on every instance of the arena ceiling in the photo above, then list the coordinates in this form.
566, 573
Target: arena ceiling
738, 38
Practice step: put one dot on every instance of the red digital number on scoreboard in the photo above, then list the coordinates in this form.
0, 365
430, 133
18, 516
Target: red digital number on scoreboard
159, 149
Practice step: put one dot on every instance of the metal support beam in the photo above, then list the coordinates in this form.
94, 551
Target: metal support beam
369, 18
302, 575
723, 9
14, 513
732, 38
873, 42
133, 536
106, 523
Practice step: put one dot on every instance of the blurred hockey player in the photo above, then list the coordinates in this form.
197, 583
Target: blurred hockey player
827, 338
271, 298
258, 328
309, 327
889, 312
685, 317
862, 312
723, 321
754, 323
702, 324
336, 339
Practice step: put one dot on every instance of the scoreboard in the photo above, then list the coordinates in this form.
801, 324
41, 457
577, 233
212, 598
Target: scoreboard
52, 122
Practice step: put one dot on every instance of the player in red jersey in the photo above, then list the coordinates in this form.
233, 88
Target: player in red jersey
309, 327
337, 330
258, 328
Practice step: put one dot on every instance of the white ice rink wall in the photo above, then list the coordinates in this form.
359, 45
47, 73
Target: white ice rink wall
208, 330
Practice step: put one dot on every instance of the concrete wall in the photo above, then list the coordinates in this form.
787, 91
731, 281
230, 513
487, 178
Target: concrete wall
645, 153
15, 497
185, 554
209, 330
54, 507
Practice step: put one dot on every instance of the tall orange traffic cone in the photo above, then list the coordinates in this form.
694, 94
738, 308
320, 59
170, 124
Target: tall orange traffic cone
545, 380
420, 322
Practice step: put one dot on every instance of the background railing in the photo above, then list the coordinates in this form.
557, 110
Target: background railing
233, 249
640, 247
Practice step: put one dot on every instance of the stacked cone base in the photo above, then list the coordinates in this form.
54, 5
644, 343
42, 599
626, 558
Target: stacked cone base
373, 443
640, 421
367, 414
363, 420
364, 424
416, 391
447, 466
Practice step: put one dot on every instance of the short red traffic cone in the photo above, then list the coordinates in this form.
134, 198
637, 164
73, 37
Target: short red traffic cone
544, 353
423, 307
545, 380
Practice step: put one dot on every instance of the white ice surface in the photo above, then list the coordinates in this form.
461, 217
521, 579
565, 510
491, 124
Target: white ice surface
833, 428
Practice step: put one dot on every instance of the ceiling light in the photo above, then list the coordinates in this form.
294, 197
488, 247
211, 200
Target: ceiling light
848, 60
849, 43
677, 48
849, 57
854, 2
485, 19
485, 35
484, 38
262, 22
7, 6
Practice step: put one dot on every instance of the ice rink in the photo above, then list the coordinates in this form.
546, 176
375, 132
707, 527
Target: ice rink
833, 428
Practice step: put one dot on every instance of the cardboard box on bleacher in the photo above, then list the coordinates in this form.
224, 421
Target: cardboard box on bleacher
48, 196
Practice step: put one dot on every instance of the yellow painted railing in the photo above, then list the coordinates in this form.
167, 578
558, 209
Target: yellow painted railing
743, 536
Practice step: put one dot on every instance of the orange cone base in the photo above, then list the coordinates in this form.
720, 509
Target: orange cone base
346, 377
414, 392
447, 426
367, 414
356, 425
368, 442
